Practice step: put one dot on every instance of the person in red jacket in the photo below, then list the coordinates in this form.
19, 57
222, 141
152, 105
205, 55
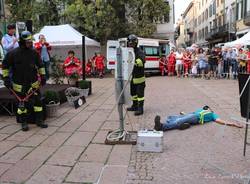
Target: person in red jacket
171, 63
248, 60
187, 63
99, 64
72, 65
88, 69
43, 48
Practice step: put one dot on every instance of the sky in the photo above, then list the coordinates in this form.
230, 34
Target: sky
180, 7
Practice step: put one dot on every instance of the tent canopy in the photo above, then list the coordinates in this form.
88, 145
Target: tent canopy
64, 35
244, 40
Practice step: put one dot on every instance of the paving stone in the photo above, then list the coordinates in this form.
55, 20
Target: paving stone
34, 140
85, 172
110, 125
80, 139
3, 136
10, 129
15, 155
49, 174
91, 126
56, 139
41, 153
66, 156
47, 131
100, 137
96, 153
114, 175
120, 155
20, 172
72, 125
21, 135
4, 167
6, 146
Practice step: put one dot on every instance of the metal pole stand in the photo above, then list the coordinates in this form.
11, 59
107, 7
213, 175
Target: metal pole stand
120, 136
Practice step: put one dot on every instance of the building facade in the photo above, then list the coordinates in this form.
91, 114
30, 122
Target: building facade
165, 29
210, 22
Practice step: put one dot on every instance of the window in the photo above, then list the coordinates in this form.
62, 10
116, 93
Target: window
218, 2
239, 10
151, 51
206, 16
210, 10
214, 8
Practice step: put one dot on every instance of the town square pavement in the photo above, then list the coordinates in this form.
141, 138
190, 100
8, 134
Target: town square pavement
72, 149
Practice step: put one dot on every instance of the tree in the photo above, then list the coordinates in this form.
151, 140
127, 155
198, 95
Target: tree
96, 19
145, 14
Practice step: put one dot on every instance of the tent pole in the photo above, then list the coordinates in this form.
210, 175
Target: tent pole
83, 58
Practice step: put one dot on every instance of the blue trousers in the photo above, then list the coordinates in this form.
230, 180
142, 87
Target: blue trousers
173, 122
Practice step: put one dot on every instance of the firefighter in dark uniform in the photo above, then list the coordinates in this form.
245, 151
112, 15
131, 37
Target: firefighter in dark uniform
137, 84
26, 67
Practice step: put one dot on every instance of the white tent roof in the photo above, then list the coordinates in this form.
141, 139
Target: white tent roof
62, 35
244, 40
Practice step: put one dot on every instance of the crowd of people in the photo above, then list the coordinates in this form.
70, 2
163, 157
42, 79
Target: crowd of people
206, 63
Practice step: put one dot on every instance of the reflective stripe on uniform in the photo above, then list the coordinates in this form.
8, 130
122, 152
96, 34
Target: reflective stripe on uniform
20, 111
38, 109
5, 72
140, 99
134, 97
42, 71
35, 85
138, 80
17, 87
139, 62
202, 115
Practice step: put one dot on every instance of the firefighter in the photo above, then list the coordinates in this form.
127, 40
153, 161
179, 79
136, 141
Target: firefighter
28, 74
137, 84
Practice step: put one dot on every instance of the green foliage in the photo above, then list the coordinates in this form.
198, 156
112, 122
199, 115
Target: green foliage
83, 84
51, 96
57, 73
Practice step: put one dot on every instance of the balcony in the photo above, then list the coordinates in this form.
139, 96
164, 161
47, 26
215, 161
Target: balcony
247, 18
218, 32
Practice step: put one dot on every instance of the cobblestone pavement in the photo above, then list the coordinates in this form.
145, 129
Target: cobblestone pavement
72, 149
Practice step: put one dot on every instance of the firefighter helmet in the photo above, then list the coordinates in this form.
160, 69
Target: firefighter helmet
132, 40
26, 36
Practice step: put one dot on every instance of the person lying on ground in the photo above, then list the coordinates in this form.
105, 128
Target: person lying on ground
184, 121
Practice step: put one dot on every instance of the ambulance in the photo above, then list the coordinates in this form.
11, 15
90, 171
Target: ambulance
154, 49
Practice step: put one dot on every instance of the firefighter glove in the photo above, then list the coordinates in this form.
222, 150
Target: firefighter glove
7, 83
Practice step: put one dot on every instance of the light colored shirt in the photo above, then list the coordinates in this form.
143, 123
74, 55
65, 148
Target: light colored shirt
178, 55
44, 54
8, 43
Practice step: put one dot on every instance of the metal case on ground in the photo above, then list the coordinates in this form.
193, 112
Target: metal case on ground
150, 141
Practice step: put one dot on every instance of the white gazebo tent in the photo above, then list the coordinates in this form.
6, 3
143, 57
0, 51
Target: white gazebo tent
244, 40
63, 38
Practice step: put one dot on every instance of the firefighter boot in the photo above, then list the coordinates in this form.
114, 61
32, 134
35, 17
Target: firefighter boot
139, 111
133, 107
25, 126
158, 124
40, 122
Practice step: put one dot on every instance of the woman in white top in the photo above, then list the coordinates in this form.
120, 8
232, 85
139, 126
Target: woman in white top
179, 62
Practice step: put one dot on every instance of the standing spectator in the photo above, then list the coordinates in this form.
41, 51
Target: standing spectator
242, 61
100, 64
212, 63
179, 63
171, 63
163, 65
220, 64
43, 48
226, 58
9, 40
186, 62
202, 62
234, 63
248, 60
